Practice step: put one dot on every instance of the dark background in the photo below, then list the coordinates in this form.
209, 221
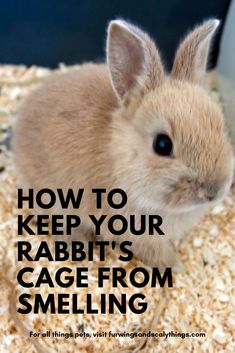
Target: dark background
46, 32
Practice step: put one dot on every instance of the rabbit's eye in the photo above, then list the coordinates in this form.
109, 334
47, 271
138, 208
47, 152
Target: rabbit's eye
163, 145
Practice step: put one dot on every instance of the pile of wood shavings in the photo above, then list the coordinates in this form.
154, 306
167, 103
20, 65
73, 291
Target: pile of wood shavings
202, 300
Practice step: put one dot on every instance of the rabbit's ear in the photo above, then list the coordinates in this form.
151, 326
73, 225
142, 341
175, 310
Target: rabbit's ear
191, 57
133, 60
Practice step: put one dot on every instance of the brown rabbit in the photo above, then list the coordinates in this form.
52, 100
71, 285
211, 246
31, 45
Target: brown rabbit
127, 124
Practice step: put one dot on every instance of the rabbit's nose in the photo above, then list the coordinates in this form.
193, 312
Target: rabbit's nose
208, 191
210, 197
211, 190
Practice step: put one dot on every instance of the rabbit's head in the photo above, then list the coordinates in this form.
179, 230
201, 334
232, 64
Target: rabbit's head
169, 144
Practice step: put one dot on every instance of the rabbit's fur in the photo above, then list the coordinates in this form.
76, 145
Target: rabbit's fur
94, 128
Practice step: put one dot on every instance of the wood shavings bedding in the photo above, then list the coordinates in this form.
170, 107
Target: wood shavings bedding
202, 299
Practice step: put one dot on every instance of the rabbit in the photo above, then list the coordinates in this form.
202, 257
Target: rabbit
128, 124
